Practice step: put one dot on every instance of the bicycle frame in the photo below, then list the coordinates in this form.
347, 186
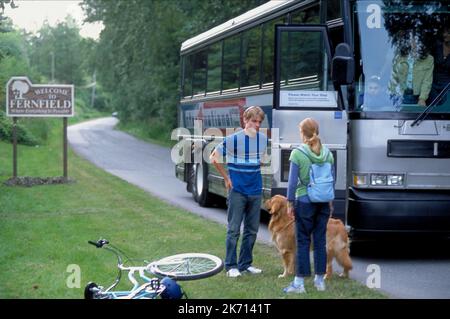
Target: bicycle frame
150, 289
184, 266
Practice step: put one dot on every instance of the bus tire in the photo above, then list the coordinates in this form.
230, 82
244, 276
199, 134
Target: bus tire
189, 169
200, 185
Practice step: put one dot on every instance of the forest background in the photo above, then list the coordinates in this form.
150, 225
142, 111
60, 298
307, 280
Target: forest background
134, 64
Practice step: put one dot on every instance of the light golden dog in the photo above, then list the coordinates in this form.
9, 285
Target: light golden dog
282, 228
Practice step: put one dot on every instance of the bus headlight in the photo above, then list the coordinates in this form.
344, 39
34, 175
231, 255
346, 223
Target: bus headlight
378, 180
395, 180
386, 179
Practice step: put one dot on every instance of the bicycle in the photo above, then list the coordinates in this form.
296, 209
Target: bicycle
187, 266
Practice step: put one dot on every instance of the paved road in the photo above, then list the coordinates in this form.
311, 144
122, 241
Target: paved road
411, 269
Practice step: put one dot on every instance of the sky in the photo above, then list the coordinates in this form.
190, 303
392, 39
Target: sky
31, 14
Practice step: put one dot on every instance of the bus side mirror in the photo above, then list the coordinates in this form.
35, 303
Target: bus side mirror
343, 65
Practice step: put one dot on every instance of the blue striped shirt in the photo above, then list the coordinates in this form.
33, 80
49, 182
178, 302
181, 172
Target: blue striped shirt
243, 156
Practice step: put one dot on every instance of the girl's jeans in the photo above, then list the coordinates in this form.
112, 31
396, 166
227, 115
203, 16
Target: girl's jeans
311, 219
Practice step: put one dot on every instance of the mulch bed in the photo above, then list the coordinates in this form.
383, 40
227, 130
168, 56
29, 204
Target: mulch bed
27, 181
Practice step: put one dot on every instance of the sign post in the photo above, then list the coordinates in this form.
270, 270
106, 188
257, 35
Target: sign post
24, 99
14, 137
65, 147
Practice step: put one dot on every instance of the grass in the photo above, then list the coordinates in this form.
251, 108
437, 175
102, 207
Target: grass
44, 231
151, 131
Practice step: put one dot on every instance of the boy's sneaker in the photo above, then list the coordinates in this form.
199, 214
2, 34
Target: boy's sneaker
292, 288
253, 270
320, 285
233, 273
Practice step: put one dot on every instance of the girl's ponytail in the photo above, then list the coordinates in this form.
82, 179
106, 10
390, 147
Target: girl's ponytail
309, 129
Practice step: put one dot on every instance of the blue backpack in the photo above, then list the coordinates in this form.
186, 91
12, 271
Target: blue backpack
321, 181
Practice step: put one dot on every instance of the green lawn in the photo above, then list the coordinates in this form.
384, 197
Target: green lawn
45, 229
152, 132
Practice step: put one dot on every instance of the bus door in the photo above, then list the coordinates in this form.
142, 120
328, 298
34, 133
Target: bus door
303, 88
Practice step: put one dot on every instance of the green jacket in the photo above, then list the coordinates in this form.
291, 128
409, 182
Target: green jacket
304, 164
422, 76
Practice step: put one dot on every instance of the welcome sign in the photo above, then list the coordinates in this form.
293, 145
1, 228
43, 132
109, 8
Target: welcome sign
24, 99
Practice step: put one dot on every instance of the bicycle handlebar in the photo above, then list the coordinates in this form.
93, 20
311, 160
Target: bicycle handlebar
99, 244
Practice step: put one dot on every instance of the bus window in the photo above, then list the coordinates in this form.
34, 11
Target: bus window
214, 67
302, 67
199, 78
187, 76
336, 35
268, 50
231, 62
251, 52
397, 44
333, 9
310, 15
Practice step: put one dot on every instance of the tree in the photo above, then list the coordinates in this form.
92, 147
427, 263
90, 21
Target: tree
58, 52
138, 54
3, 4
6, 2
404, 18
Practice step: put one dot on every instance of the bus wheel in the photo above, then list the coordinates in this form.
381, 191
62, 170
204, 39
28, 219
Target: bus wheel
189, 169
200, 185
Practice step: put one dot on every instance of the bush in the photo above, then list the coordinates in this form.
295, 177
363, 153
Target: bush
24, 136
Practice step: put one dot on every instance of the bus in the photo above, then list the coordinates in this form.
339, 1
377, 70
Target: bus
373, 74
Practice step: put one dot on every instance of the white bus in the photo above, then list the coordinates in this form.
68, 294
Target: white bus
370, 72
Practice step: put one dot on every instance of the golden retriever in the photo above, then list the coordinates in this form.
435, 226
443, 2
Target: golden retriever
282, 229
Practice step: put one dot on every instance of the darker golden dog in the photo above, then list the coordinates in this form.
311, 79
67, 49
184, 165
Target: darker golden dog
282, 228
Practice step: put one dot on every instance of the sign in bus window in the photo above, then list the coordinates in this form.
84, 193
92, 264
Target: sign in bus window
308, 99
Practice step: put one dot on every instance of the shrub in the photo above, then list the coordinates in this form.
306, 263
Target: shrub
24, 136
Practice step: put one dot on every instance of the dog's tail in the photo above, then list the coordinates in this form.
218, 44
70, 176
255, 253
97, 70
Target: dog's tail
343, 255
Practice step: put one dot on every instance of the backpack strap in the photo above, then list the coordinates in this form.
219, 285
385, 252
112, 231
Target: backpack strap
302, 150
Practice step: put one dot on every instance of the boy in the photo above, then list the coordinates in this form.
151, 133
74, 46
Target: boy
243, 151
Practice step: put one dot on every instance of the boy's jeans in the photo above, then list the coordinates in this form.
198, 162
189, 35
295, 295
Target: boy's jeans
245, 208
311, 219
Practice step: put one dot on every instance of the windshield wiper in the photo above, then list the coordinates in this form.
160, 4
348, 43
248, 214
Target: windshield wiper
425, 112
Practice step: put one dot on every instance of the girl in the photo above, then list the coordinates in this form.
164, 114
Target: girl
310, 218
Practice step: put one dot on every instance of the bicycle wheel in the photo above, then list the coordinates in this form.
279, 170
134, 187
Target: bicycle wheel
188, 266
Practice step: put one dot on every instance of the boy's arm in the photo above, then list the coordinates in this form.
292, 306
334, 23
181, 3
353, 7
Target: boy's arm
215, 160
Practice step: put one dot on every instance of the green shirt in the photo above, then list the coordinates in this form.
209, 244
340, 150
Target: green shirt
304, 164
422, 76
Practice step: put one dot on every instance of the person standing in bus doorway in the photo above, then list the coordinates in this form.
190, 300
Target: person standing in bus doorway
243, 151
441, 74
412, 71
310, 218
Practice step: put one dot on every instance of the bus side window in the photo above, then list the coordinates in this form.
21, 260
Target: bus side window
310, 15
199, 69
187, 76
251, 44
231, 62
268, 50
214, 67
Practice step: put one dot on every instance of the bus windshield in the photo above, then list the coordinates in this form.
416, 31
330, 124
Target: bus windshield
402, 48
